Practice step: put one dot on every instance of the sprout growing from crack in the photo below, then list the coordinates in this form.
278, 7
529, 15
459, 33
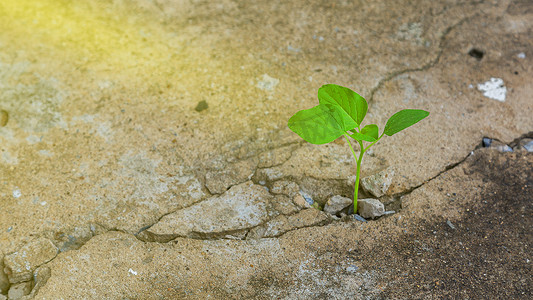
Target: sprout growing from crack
340, 112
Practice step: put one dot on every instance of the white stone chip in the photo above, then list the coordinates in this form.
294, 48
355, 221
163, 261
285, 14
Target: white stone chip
493, 89
521, 55
17, 193
132, 272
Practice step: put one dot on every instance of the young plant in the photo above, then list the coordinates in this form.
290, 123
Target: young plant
340, 112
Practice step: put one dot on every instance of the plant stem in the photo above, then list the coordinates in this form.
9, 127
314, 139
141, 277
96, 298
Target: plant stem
358, 176
358, 171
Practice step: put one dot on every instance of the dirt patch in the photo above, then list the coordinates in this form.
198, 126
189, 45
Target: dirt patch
486, 255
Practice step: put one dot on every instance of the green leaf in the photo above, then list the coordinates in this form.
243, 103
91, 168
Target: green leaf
351, 102
321, 124
371, 130
362, 137
403, 119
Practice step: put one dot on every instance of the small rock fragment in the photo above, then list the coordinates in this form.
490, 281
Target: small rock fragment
202, 105
19, 290
352, 268
20, 265
4, 117
487, 142
496, 145
307, 198
41, 276
378, 184
493, 89
243, 206
450, 224
526, 144
300, 201
336, 204
370, 208
358, 218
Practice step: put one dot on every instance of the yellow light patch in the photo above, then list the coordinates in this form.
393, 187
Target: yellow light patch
98, 35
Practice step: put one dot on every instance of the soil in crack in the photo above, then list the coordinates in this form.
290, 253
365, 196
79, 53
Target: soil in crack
487, 255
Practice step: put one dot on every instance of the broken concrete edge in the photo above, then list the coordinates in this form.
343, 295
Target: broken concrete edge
218, 181
144, 236
42, 273
147, 236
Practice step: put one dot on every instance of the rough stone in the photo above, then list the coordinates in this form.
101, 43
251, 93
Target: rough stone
217, 182
19, 290
525, 144
281, 224
378, 184
20, 265
370, 208
40, 277
243, 206
336, 204
2, 297
496, 145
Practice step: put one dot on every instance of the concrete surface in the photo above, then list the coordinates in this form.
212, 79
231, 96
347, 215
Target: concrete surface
101, 146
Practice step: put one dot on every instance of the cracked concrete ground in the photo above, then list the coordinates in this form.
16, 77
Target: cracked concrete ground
113, 186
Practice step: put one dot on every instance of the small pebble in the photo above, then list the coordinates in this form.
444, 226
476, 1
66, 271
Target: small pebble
4, 117
359, 218
307, 198
336, 204
352, 268
202, 105
487, 142
527, 144
450, 224
370, 208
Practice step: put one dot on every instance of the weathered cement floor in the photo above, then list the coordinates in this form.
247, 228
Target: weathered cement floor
112, 184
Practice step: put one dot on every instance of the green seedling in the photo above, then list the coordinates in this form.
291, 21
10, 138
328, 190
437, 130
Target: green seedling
340, 112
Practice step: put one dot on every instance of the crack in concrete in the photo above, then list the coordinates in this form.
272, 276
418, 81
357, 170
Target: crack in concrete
425, 67
246, 231
456, 164
398, 196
